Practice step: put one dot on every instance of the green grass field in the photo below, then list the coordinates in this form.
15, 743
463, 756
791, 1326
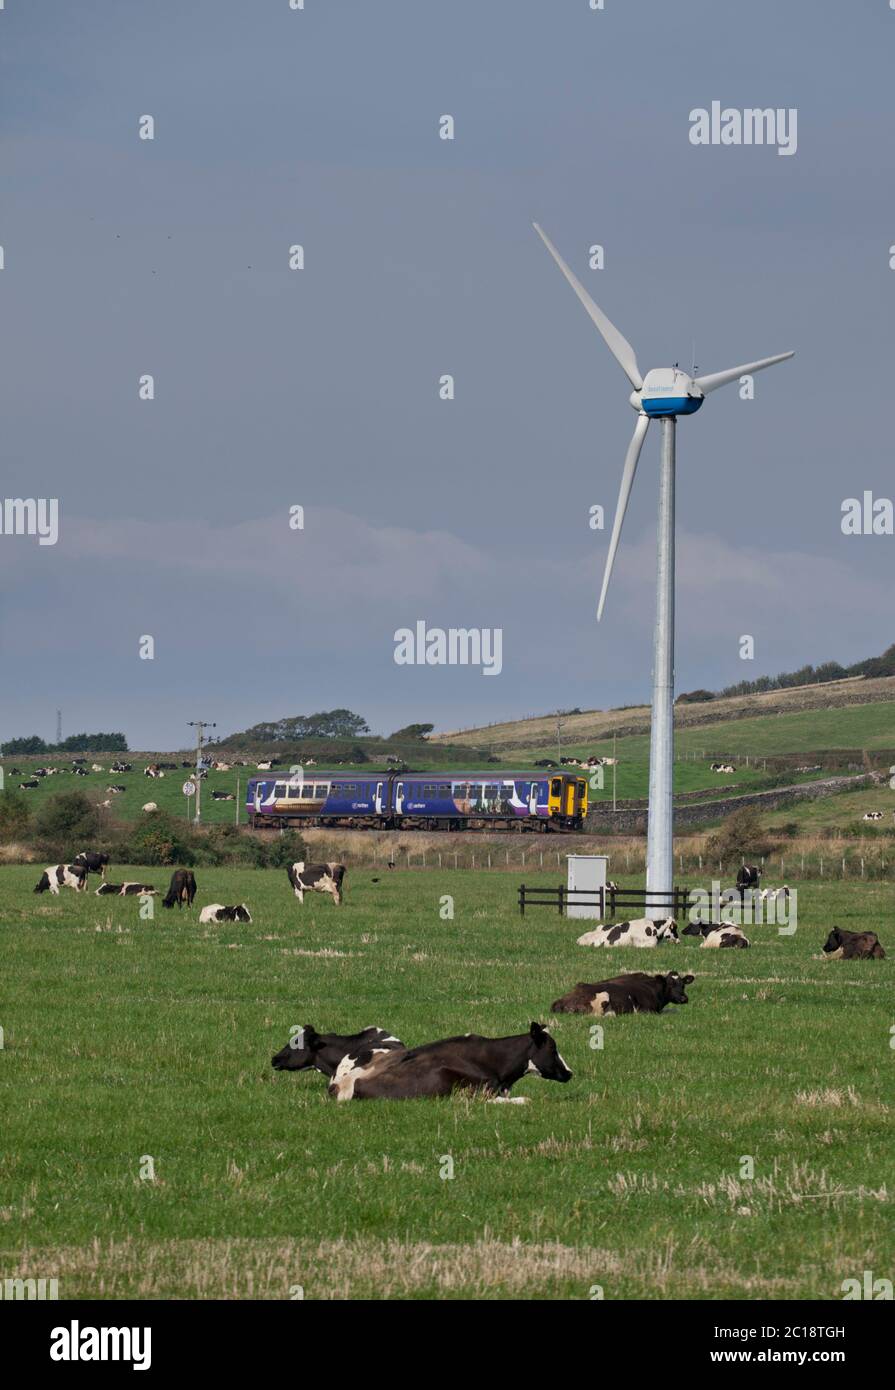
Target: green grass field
126, 1038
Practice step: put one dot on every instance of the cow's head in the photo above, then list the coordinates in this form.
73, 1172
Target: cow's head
545, 1058
675, 986
300, 1051
667, 930
241, 913
833, 941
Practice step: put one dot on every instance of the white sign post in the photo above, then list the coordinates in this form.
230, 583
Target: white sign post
189, 789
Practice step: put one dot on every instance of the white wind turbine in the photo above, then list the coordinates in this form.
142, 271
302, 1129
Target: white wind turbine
664, 393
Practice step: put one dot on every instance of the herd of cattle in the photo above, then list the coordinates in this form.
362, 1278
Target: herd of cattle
375, 1064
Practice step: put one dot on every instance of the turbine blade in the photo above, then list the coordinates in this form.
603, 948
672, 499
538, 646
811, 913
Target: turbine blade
711, 383
624, 493
616, 342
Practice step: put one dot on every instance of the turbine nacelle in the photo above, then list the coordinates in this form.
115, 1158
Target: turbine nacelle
667, 391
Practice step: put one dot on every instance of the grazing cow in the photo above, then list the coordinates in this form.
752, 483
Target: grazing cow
777, 895
217, 912
125, 890
62, 876
29, 786
94, 863
324, 1051
150, 806
116, 791
853, 945
640, 932
872, 815
222, 796
319, 878
471, 1063
625, 994
182, 889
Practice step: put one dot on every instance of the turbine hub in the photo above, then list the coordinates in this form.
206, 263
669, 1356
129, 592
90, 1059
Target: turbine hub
667, 391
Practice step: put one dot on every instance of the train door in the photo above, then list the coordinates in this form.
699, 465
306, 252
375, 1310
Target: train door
533, 799
377, 802
555, 802
399, 799
570, 797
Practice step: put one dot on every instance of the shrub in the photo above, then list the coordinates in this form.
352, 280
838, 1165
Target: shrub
66, 823
15, 815
741, 835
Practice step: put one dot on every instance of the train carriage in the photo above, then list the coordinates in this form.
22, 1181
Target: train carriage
420, 800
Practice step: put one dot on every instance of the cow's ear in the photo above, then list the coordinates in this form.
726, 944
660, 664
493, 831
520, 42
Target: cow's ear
313, 1040
537, 1031
688, 979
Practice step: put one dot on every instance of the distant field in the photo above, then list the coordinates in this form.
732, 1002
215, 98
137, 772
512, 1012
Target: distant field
126, 1038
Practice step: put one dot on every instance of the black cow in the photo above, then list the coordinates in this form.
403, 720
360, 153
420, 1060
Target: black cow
471, 1063
29, 786
853, 945
317, 878
182, 889
324, 1051
625, 994
93, 862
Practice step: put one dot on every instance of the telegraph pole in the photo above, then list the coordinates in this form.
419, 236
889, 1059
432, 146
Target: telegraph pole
559, 724
200, 725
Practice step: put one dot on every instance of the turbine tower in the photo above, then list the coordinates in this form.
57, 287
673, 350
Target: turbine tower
663, 394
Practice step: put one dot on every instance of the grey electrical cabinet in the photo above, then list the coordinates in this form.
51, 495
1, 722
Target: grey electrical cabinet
586, 872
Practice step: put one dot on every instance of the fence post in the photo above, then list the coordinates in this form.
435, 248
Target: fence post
522, 899
562, 893
489, 859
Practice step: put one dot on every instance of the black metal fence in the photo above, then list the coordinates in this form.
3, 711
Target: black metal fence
608, 901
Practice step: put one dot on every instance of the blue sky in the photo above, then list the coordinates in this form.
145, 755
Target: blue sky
320, 387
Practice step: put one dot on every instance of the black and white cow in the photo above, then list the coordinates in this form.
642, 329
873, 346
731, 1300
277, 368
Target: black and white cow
217, 912
640, 932
853, 945
93, 862
222, 796
125, 890
121, 767
625, 994
29, 786
748, 876
116, 790
319, 878
323, 1052
717, 934
490, 1066
181, 889
58, 876
872, 815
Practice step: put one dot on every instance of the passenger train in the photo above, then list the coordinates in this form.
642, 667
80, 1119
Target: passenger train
419, 800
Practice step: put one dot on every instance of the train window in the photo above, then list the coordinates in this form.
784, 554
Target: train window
556, 786
279, 789
322, 789
428, 790
492, 793
444, 788
461, 789
350, 787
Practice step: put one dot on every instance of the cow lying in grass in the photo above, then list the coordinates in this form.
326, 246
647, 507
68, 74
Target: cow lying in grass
625, 994
57, 876
718, 934
471, 1063
853, 945
640, 932
217, 912
307, 1049
125, 890
318, 878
